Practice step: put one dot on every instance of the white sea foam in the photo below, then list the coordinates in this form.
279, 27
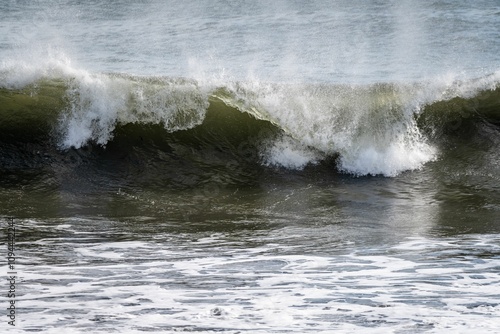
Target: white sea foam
371, 127
289, 153
98, 102
136, 286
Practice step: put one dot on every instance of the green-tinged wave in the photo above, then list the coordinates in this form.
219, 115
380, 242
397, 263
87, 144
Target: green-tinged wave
37, 108
450, 115
32, 111
209, 125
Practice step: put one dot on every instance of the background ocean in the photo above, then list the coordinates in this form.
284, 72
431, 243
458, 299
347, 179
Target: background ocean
251, 166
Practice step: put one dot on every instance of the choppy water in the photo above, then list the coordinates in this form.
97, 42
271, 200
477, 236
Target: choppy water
255, 276
232, 166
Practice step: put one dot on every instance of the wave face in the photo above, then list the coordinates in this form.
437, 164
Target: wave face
371, 129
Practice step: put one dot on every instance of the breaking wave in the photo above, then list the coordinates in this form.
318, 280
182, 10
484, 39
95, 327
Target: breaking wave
370, 129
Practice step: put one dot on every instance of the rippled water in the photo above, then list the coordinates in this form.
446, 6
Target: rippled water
142, 275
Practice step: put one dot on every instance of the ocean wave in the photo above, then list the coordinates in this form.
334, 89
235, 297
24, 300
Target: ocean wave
383, 128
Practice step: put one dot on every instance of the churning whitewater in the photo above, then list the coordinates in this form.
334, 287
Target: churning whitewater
373, 128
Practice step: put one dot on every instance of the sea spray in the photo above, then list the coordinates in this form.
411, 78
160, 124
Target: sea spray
99, 102
370, 129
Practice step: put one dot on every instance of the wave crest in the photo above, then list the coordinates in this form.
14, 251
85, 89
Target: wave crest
372, 129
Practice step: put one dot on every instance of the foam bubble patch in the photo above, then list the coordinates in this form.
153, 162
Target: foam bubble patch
289, 153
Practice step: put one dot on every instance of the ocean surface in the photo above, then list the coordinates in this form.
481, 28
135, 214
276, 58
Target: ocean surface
250, 166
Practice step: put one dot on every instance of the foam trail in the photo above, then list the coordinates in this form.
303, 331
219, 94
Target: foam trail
396, 288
